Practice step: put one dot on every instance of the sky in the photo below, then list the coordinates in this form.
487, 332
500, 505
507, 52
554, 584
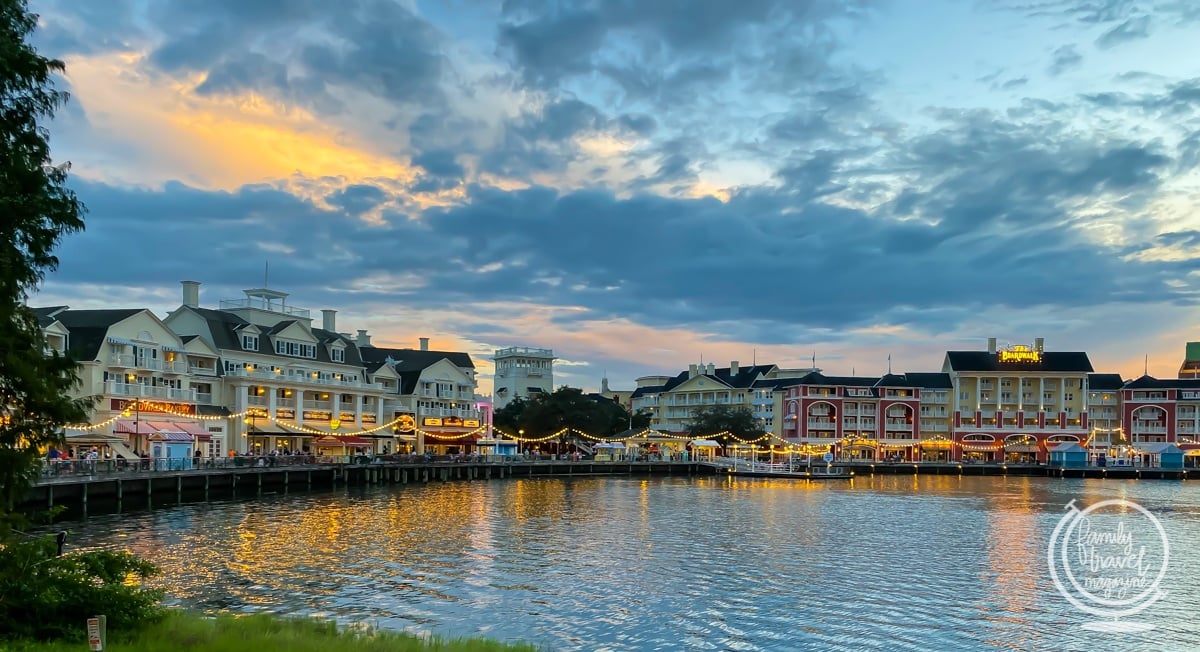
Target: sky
642, 185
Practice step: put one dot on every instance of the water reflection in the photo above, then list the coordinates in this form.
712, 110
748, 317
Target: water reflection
892, 562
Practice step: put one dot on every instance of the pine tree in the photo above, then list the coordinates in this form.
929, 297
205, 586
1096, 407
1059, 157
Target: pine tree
36, 211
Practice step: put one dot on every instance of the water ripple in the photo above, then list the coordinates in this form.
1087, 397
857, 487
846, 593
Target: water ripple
897, 563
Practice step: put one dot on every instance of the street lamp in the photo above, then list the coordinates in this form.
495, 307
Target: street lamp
137, 419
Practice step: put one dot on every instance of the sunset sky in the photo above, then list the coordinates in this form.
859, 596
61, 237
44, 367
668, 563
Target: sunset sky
638, 184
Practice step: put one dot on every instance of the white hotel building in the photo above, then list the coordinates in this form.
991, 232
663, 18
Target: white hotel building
256, 375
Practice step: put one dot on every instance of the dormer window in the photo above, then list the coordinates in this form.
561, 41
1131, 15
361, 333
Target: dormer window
337, 355
250, 342
295, 349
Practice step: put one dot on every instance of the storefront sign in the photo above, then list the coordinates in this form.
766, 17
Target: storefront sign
470, 423
1019, 353
317, 415
285, 414
368, 418
431, 421
346, 416
405, 422
144, 405
452, 421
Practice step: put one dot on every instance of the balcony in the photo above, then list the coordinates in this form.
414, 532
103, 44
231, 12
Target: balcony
118, 360
899, 424
297, 378
146, 391
1140, 428
198, 370
821, 424
174, 367
934, 427
153, 364
204, 398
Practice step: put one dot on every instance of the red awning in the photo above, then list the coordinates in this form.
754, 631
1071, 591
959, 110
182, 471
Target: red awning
127, 426
166, 427
192, 428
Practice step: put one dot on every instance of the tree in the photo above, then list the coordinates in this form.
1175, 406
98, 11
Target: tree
508, 418
724, 423
36, 211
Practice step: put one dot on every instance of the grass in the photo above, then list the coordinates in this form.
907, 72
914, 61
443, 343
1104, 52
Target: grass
184, 632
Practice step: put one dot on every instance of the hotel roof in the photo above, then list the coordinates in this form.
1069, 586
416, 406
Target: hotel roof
1150, 382
1051, 362
1111, 382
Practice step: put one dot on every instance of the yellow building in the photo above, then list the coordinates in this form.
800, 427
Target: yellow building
1016, 403
672, 401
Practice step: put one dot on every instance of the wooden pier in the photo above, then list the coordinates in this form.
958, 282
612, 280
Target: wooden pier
133, 490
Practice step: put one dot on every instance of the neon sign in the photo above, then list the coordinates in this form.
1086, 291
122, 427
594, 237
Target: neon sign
1020, 353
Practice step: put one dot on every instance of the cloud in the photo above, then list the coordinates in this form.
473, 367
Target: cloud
1065, 58
1132, 29
634, 183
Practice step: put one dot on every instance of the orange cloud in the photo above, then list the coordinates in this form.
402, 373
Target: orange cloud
220, 143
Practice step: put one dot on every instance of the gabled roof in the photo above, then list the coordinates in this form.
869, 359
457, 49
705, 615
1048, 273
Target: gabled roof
775, 383
929, 380
893, 380
745, 378
820, 379
1150, 382
1052, 362
224, 327
89, 327
413, 359
1105, 382
46, 316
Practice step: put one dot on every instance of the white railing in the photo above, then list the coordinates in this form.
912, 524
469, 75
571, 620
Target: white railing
285, 402
204, 397
898, 424
153, 364
307, 379
198, 370
119, 360
1147, 429
261, 304
818, 424
174, 367
258, 401
147, 391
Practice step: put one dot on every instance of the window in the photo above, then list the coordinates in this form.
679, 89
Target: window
250, 342
295, 349
964, 396
1068, 397
338, 355
1070, 382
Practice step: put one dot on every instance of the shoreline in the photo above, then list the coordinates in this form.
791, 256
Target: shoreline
85, 495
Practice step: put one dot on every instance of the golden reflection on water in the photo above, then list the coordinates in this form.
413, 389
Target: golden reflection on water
926, 562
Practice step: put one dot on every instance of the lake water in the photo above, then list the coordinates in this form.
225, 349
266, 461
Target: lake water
618, 563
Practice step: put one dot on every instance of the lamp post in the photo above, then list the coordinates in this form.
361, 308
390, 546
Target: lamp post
137, 419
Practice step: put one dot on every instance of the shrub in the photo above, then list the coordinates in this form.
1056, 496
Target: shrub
45, 596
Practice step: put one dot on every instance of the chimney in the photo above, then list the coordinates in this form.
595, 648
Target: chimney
1039, 344
329, 320
191, 293
712, 369
363, 339
692, 373
991, 345
733, 368
424, 343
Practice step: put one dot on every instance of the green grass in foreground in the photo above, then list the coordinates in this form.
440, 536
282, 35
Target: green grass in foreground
183, 632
